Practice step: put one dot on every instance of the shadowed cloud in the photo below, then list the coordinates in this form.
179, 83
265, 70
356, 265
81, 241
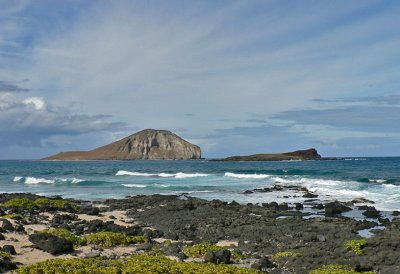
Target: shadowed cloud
31, 121
6, 86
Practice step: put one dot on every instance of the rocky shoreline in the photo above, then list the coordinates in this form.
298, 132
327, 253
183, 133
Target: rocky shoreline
270, 237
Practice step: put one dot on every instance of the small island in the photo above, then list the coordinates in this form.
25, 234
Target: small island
307, 154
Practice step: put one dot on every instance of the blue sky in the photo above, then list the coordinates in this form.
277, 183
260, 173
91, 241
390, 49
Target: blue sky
235, 77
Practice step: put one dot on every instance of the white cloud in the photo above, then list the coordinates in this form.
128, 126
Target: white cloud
37, 102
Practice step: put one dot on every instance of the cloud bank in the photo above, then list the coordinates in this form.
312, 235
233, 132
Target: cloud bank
250, 75
32, 121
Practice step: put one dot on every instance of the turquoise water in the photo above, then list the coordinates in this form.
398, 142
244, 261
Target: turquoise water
376, 179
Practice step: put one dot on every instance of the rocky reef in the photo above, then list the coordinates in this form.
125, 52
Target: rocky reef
44, 235
148, 144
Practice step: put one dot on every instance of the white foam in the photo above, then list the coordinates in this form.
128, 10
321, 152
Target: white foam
134, 185
200, 191
17, 178
391, 186
129, 173
179, 175
166, 175
379, 181
76, 181
72, 181
247, 176
162, 185
35, 181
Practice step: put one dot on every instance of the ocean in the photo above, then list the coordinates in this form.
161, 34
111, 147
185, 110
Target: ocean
376, 179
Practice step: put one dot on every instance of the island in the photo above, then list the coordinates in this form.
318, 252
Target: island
307, 154
148, 144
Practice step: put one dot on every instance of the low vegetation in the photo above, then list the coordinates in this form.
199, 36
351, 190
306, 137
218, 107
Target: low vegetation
13, 216
286, 254
25, 203
103, 239
107, 239
66, 234
4, 255
143, 264
200, 249
337, 269
140, 239
356, 245
46, 202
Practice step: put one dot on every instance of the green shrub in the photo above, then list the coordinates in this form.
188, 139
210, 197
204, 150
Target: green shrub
13, 216
65, 234
4, 255
140, 239
167, 243
286, 254
337, 269
199, 250
143, 264
76, 266
61, 204
108, 239
20, 202
238, 255
356, 245
26, 203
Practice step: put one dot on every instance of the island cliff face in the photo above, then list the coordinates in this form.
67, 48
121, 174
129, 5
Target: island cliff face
148, 144
307, 154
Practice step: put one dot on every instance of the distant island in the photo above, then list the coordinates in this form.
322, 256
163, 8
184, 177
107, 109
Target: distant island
148, 144
307, 154
153, 144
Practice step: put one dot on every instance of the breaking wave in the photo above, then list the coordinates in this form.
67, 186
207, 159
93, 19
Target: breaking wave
34, 181
246, 176
134, 185
178, 175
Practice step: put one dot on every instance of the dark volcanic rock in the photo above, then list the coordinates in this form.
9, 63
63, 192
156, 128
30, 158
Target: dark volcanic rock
6, 264
371, 212
148, 144
51, 243
335, 208
257, 229
310, 195
144, 246
299, 206
9, 249
93, 254
318, 206
89, 210
218, 257
5, 225
263, 264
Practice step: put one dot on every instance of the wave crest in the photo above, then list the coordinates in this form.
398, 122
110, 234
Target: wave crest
247, 176
134, 185
178, 175
34, 181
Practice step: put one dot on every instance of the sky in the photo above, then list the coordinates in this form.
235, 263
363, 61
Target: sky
234, 77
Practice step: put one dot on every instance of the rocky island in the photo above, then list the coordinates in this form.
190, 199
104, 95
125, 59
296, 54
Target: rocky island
148, 144
307, 154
